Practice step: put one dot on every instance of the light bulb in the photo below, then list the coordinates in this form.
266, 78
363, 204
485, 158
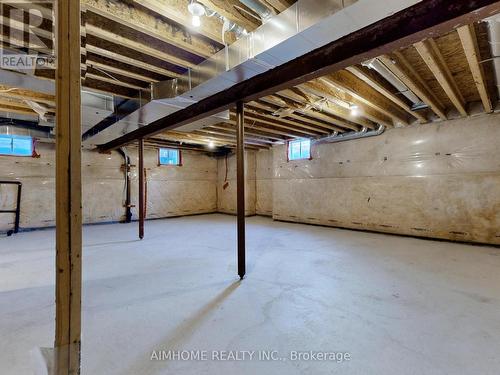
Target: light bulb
354, 110
211, 145
196, 21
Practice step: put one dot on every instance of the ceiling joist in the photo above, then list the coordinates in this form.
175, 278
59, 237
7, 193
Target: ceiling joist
469, 43
435, 61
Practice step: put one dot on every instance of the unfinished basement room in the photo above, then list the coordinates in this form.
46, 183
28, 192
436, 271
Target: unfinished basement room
251, 187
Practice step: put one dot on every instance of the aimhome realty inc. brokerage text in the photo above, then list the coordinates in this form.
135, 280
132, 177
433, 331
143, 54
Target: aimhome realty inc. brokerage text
248, 355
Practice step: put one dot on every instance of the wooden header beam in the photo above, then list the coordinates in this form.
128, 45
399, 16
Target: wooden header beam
424, 19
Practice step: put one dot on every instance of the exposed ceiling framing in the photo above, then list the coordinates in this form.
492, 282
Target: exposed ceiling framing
127, 45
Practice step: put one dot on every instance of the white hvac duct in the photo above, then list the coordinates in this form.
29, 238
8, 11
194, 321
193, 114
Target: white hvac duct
300, 29
494, 39
381, 69
95, 106
263, 12
363, 133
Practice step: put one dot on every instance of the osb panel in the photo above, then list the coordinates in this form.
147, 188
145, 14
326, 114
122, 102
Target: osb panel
452, 51
421, 68
226, 198
439, 180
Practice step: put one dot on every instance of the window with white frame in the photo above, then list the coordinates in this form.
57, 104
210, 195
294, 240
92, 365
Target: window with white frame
299, 149
169, 156
16, 145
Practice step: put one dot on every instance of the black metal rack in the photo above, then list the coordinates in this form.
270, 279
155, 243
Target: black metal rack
18, 206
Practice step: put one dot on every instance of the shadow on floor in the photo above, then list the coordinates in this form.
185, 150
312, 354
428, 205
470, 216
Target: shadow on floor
183, 332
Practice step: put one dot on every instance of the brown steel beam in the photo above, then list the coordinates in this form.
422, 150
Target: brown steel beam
427, 18
68, 191
140, 172
240, 182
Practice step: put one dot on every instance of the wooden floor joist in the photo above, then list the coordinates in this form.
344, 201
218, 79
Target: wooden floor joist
361, 74
226, 9
434, 60
469, 43
400, 71
128, 44
146, 23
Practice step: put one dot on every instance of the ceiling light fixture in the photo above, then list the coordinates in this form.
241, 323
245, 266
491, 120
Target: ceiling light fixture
211, 145
354, 110
197, 10
196, 21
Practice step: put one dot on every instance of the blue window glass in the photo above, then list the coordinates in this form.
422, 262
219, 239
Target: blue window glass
169, 156
16, 145
299, 149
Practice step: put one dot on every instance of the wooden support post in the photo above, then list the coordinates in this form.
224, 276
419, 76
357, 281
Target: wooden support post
68, 190
141, 188
240, 171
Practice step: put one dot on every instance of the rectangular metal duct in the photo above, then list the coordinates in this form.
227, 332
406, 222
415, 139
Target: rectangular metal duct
95, 106
302, 28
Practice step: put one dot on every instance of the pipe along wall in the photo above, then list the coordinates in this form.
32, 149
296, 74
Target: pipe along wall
439, 180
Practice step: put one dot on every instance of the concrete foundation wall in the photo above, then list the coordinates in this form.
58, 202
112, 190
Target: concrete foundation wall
172, 191
440, 180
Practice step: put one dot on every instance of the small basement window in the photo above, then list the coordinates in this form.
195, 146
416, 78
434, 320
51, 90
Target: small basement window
299, 149
16, 145
169, 156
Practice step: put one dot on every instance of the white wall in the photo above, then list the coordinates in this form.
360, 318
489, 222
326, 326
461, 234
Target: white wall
439, 180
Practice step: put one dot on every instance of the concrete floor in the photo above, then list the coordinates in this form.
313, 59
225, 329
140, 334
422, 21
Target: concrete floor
396, 305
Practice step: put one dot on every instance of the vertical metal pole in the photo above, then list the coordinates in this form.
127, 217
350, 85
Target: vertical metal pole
240, 171
18, 208
128, 208
141, 188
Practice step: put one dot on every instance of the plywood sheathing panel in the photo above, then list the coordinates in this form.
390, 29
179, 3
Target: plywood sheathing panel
450, 47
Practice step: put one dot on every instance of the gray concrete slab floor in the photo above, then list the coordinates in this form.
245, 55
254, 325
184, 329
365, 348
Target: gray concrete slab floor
395, 305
